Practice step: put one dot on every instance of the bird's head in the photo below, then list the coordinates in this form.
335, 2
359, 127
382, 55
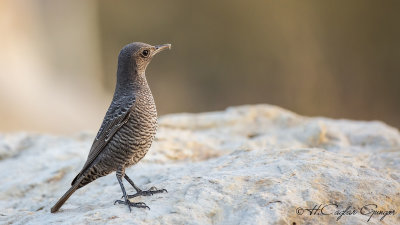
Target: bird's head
137, 55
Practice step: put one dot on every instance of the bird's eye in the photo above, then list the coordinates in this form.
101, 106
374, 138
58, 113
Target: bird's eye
145, 53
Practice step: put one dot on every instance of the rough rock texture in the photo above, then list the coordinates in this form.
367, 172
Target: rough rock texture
246, 165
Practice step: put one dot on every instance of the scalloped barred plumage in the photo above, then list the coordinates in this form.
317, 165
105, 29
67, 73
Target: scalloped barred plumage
128, 128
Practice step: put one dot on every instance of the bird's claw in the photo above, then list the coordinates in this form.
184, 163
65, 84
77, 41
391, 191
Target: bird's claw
151, 191
132, 204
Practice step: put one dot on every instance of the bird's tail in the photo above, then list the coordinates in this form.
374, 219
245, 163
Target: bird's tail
65, 197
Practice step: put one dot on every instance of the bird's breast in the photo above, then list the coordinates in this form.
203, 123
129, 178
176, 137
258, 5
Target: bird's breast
143, 119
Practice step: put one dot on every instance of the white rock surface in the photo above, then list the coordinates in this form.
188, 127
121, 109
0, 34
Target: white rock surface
246, 165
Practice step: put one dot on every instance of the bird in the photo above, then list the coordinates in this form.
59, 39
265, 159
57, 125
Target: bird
128, 128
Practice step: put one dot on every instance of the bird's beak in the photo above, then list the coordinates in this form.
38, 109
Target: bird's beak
160, 48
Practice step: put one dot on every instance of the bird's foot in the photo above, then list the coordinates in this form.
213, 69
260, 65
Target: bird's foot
151, 191
132, 204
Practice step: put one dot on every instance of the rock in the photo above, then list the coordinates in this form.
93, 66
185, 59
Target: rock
246, 165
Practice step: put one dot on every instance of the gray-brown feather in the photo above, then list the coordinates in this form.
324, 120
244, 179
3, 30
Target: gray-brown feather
131, 142
129, 125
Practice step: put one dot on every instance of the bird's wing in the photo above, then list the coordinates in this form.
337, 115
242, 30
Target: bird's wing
116, 116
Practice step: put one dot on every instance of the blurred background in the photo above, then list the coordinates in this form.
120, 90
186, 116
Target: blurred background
337, 59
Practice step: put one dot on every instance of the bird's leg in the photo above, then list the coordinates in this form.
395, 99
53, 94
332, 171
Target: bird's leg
139, 192
120, 173
133, 184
